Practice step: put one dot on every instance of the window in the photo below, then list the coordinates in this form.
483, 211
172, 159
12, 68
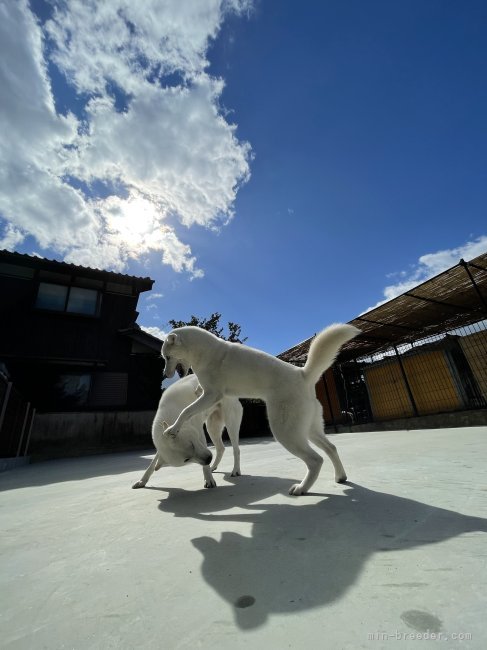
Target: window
82, 301
109, 389
73, 390
90, 390
74, 300
51, 296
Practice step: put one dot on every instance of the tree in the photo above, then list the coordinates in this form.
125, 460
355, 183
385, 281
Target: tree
212, 324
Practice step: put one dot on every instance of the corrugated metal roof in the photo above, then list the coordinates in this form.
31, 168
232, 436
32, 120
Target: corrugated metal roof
455, 298
42, 262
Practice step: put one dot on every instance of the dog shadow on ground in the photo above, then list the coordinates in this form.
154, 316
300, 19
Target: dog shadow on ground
303, 555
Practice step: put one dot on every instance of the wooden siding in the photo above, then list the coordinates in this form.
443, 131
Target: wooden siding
387, 391
430, 379
474, 348
432, 382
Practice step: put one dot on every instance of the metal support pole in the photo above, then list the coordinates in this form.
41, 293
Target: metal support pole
30, 431
472, 280
408, 387
23, 429
5, 403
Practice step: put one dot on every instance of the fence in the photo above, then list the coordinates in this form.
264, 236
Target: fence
16, 420
444, 373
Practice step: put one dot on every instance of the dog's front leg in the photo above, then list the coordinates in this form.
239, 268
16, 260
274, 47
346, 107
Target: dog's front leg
204, 402
208, 476
147, 474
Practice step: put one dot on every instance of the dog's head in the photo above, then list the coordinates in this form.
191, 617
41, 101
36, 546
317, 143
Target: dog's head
186, 447
173, 353
180, 346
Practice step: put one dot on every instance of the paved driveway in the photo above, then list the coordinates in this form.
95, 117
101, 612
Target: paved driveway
396, 558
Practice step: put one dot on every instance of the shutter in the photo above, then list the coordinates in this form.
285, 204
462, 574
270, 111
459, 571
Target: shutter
109, 389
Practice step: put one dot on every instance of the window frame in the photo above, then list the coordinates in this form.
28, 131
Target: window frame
65, 310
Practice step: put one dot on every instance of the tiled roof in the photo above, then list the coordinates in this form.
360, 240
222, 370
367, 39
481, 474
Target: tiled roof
64, 267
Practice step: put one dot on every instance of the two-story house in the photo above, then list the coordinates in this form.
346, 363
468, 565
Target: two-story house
70, 344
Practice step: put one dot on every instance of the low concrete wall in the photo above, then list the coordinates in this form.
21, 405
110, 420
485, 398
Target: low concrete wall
78, 433
13, 463
472, 418
64, 434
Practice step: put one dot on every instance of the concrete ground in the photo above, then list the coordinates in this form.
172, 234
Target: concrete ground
396, 558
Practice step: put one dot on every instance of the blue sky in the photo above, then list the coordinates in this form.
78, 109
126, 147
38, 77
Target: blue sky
288, 164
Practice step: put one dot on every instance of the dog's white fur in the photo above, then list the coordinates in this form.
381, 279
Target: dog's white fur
231, 369
190, 445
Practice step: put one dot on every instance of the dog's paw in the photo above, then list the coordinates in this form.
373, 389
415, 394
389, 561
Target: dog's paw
341, 479
139, 484
296, 490
213, 468
236, 472
210, 484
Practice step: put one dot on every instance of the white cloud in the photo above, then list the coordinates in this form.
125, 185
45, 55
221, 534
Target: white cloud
155, 331
168, 148
430, 265
11, 238
154, 296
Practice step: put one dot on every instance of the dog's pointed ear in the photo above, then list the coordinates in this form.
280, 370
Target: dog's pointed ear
172, 338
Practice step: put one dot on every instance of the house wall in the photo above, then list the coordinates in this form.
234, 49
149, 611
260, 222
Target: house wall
46, 349
37, 333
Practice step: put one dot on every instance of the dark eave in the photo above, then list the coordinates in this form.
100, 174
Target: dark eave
30, 261
142, 337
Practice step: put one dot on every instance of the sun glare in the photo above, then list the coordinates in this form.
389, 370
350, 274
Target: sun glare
136, 221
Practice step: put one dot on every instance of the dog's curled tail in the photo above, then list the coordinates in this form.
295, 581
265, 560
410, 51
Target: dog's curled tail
324, 349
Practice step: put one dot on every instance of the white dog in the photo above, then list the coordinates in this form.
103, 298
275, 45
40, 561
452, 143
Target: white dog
190, 446
231, 369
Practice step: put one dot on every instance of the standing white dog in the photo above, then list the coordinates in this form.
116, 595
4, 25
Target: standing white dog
190, 446
231, 369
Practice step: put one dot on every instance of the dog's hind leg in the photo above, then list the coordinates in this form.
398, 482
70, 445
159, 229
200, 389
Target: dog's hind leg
285, 423
320, 440
214, 426
313, 463
318, 437
233, 419
148, 473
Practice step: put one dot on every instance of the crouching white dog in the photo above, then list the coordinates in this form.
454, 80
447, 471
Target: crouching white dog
190, 446
231, 369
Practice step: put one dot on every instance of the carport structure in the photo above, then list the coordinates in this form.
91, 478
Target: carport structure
422, 353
